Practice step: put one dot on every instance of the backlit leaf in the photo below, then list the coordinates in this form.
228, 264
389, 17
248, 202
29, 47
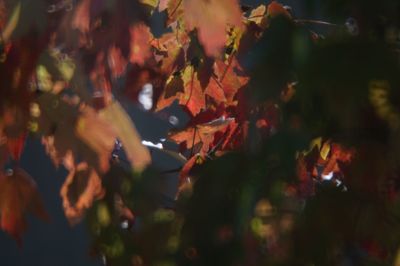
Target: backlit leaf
140, 49
211, 19
18, 196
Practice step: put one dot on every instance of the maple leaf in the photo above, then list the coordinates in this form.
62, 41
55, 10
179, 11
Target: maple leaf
63, 127
137, 153
18, 195
98, 134
230, 78
81, 187
211, 19
169, 95
140, 49
193, 95
202, 133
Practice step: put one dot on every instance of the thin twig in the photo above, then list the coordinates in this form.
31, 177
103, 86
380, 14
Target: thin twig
227, 67
194, 137
176, 8
171, 171
319, 22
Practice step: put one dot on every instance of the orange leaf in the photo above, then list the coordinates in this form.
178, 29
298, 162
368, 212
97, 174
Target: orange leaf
140, 44
81, 17
193, 96
18, 195
203, 133
211, 19
230, 77
81, 187
275, 9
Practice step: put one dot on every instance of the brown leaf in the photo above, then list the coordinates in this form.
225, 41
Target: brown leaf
211, 19
137, 153
18, 195
98, 134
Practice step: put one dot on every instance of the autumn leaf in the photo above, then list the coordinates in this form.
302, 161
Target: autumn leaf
193, 96
140, 49
81, 18
152, 3
116, 61
98, 134
257, 14
15, 146
231, 78
137, 153
211, 19
275, 9
18, 196
81, 187
11, 23
174, 8
202, 133
170, 93
185, 181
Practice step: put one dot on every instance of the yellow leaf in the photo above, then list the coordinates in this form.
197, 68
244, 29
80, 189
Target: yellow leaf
152, 3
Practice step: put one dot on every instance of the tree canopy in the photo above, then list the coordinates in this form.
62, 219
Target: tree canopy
291, 150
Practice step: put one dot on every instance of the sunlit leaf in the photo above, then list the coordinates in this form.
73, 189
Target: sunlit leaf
126, 132
211, 19
140, 49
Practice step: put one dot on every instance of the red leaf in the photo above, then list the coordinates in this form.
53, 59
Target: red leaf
211, 18
18, 195
116, 61
15, 146
140, 44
